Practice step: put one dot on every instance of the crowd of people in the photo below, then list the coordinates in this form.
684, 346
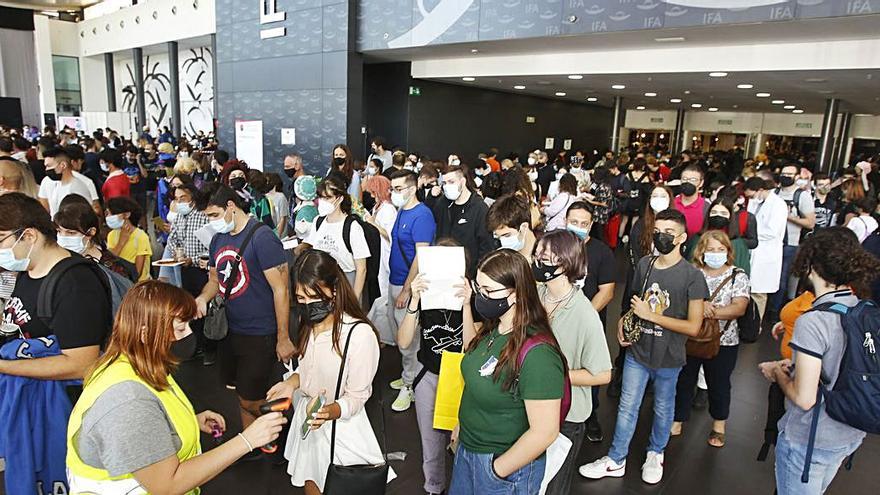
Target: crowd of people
121, 258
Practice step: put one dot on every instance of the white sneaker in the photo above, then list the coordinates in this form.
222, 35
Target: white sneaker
652, 469
396, 384
403, 401
602, 468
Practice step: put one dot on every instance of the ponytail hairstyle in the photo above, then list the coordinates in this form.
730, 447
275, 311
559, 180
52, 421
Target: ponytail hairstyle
512, 270
316, 274
333, 185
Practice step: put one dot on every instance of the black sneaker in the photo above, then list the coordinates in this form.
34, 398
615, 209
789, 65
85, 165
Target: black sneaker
701, 399
209, 358
594, 429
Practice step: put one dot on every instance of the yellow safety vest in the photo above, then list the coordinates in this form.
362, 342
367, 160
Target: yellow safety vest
176, 405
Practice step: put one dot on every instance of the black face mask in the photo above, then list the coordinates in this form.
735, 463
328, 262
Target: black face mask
421, 193
339, 161
52, 174
490, 309
718, 222
237, 183
786, 181
316, 312
688, 189
368, 201
544, 273
290, 172
664, 242
185, 348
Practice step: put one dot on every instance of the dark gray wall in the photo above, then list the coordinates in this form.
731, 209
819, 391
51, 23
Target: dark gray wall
384, 24
309, 79
448, 118
386, 102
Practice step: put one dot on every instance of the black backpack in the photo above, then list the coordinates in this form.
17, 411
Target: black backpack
374, 242
46, 294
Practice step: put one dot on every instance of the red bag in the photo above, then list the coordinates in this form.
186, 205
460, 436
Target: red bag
534, 341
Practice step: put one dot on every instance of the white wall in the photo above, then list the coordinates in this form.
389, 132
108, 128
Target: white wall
724, 122
650, 120
743, 123
865, 127
93, 84
45, 72
64, 37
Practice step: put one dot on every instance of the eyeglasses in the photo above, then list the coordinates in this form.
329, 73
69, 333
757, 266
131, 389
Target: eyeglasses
400, 189
13, 233
479, 289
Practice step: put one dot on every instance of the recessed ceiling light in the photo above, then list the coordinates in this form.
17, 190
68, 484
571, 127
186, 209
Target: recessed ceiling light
815, 80
468, 79
592, 98
718, 74
640, 107
826, 91
670, 39
575, 77
474, 50
762, 95
560, 93
777, 102
745, 86
713, 109
618, 86
519, 86
797, 110
544, 83
687, 91
650, 94
789, 107
675, 100
696, 105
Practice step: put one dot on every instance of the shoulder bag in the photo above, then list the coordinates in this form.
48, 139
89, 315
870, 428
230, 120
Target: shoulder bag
707, 343
216, 322
632, 324
361, 479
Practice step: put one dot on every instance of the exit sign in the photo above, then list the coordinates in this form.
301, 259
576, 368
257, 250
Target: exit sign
725, 121
415, 91
656, 120
803, 125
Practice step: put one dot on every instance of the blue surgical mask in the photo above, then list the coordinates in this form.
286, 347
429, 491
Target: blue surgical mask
115, 221
184, 209
582, 233
715, 260
511, 242
221, 226
75, 243
10, 263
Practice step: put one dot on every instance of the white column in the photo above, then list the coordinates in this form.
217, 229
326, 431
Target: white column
45, 72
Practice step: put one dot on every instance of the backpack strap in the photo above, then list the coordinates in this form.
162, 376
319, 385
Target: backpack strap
346, 232
814, 424
318, 222
46, 294
233, 274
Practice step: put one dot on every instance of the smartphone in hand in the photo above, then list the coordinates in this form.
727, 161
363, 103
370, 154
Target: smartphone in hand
317, 404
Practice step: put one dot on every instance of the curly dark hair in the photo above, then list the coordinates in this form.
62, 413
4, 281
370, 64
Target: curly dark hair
835, 255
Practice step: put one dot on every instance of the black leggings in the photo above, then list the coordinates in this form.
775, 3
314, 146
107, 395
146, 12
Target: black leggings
718, 371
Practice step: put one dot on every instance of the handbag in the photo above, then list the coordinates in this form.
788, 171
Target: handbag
216, 323
632, 324
363, 479
707, 342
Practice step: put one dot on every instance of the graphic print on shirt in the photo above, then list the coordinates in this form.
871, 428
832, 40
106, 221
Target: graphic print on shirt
448, 339
15, 316
225, 259
658, 299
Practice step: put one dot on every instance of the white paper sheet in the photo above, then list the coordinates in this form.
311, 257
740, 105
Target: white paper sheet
556, 454
443, 267
204, 235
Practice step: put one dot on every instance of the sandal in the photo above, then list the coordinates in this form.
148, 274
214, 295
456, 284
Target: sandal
717, 437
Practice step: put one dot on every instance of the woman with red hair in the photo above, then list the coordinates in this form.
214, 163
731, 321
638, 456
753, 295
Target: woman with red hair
380, 213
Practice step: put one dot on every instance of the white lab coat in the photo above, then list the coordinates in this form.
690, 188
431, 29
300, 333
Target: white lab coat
772, 218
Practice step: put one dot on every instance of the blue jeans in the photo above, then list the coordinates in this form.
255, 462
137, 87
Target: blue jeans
635, 379
780, 297
472, 473
823, 466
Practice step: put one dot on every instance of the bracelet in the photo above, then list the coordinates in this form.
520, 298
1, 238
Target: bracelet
249, 446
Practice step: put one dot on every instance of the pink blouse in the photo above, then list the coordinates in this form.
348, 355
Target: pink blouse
319, 368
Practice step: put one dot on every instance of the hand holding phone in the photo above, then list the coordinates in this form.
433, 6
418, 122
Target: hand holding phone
315, 406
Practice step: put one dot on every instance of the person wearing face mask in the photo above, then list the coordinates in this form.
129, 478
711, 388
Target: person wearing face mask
689, 201
377, 146
461, 215
61, 345
59, 180
342, 163
507, 456
824, 205
257, 298
133, 429
125, 239
801, 219
546, 175
508, 220
771, 213
714, 255
559, 263
554, 212
116, 184
332, 325
670, 310
429, 189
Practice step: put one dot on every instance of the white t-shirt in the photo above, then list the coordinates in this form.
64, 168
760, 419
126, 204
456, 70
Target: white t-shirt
328, 238
54, 191
93, 193
385, 216
863, 226
805, 206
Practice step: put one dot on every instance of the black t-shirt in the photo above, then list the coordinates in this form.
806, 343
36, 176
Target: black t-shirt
824, 211
440, 330
601, 267
80, 312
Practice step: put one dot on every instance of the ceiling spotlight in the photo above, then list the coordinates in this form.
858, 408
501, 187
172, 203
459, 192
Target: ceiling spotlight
797, 110
789, 107
671, 39
560, 93
762, 95
618, 86
519, 86
575, 77
475, 51
713, 109
696, 105
777, 102
675, 100
640, 107
592, 98
662, 136
745, 86
650, 94
468, 79
687, 91
718, 74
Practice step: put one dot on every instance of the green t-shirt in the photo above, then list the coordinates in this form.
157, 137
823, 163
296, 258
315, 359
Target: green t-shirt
491, 419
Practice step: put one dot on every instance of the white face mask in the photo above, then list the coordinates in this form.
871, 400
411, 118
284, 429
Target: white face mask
325, 207
221, 226
75, 243
456, 162
451, 191
659, 203
532, 161
398, 199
